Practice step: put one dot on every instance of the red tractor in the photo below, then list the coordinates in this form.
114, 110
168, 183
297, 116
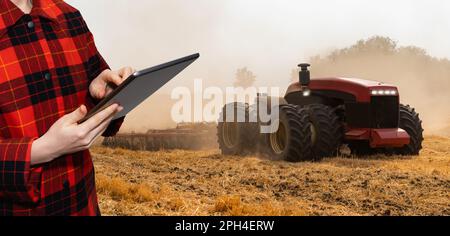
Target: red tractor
318, 116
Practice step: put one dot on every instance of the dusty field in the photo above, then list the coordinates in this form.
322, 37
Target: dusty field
206, 183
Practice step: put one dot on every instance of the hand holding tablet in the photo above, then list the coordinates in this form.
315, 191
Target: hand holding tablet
141, 85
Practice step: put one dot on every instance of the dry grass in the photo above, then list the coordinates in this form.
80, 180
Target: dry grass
206, 183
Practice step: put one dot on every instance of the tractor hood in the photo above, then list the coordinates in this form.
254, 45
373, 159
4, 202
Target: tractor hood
359, 89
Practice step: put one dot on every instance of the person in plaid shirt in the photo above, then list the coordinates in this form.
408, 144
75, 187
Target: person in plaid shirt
51, 74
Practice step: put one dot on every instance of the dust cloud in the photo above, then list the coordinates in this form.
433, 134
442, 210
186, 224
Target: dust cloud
423, 82
270, 38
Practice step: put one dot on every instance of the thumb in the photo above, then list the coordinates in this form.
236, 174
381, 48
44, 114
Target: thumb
77, 115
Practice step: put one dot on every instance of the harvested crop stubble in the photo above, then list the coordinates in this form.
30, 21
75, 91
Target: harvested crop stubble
207, 183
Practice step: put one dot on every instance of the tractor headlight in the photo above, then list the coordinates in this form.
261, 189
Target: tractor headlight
306, 93
384, 92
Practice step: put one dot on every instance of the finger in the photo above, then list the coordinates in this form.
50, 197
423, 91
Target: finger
114, 78
100, 133
76, 115
126, 72
100, 130
100, 117
98, 91
97, 87
97, 132
96, 120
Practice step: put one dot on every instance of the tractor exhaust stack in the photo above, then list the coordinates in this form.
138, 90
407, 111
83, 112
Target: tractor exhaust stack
305, 78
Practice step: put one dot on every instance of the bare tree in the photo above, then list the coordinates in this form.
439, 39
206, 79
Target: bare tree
244, 78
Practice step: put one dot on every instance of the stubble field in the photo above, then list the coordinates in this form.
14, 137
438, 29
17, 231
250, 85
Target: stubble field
206, 183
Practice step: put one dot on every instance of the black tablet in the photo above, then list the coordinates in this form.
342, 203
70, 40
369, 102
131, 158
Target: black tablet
141, 85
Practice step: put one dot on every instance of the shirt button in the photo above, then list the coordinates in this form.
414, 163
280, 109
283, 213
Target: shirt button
66, 184
30, 25
48, 76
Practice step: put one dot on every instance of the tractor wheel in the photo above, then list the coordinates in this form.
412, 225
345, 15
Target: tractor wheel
411, 123
292, 140
327, 130
232, 134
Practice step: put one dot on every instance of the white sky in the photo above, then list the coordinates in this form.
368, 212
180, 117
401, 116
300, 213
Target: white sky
269, 36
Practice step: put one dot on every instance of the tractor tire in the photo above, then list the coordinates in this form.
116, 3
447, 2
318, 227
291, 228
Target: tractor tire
327, 130
232, 135
253, 130
411, 123
292, 141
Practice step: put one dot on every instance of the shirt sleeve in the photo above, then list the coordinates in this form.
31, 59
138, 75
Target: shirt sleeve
97, 65
18, 181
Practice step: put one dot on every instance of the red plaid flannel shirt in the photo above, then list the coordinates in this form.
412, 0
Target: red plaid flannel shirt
47, 60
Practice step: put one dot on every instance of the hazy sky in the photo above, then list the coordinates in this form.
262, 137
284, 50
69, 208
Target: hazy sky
269, 36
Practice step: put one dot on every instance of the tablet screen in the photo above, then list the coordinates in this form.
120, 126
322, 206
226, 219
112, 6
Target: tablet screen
141, 85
